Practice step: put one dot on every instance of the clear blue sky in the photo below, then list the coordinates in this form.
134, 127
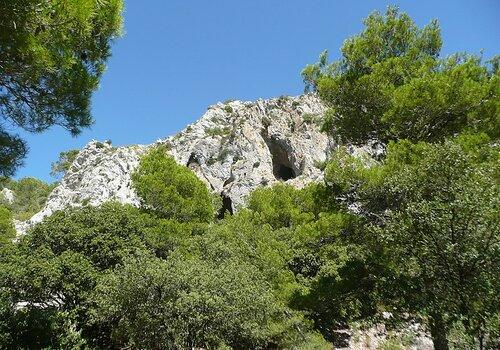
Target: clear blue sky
179, 56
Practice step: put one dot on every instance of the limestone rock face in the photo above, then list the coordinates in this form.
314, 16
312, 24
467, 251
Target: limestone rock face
238, 146
414, 337
7, 195
234, 148
99, 173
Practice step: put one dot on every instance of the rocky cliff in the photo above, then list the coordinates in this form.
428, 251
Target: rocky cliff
234, 148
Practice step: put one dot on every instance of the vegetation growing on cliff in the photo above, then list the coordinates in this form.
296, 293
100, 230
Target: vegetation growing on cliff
29, 196
63, 163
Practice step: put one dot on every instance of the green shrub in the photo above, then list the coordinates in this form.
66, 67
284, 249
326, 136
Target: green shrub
309, 118
283, 99
391, 344
184, 303
320, 164
217, 131
7, 230
172, 191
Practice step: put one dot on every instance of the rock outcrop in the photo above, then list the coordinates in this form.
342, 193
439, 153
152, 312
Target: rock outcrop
7, 195
413, 337
234, 148
99, 173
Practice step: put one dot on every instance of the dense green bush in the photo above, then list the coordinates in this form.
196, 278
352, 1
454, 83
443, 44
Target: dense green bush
172, 191
57, 265
103, 235
391, 83
322, 248
184, 303
7, 230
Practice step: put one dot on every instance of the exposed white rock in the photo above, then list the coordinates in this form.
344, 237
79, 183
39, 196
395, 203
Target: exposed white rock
238, 146
7, 195
99, 173
413, 337
234, 148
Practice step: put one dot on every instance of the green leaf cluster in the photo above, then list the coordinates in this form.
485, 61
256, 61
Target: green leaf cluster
53, 54
392, 84
171, 190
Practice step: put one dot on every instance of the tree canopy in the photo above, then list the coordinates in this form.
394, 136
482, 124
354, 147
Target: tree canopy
52, 56
63, 163
391, 83
430, 207
172, 191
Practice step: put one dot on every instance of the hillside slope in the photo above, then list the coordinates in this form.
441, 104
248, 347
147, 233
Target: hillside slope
234, 148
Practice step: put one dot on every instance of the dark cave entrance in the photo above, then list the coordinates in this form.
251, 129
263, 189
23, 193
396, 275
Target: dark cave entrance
283, 172
227, 206
283, 168
192, 161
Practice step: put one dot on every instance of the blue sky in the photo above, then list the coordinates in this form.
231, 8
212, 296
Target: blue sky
179, 56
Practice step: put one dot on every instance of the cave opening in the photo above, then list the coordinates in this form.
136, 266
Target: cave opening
283, 168
192, 161
284, 173
227, 206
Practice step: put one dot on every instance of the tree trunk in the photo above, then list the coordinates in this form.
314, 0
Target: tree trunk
481, 340
439, 332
